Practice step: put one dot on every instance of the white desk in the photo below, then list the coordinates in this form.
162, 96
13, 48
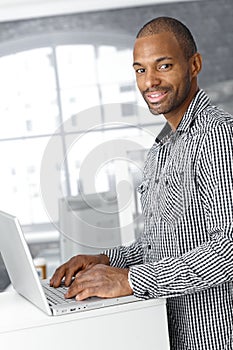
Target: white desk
136, 326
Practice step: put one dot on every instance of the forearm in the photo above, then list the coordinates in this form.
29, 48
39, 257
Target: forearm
206, 266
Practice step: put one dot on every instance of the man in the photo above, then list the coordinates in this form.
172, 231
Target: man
185, 252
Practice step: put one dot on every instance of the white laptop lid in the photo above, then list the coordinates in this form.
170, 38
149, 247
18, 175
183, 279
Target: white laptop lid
18, 262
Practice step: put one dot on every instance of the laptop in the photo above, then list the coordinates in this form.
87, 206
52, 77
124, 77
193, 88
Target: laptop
25, 279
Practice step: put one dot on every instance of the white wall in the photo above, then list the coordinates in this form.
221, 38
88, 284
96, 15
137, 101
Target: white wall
23, 9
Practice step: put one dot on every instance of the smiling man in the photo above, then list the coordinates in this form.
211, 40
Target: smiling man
185, 252
166, 67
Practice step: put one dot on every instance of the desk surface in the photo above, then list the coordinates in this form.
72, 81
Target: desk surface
138, 325
17, 313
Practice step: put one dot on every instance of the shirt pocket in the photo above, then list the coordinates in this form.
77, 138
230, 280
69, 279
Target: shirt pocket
143, 190
171, 196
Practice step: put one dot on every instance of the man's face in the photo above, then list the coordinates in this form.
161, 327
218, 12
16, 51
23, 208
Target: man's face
162, 74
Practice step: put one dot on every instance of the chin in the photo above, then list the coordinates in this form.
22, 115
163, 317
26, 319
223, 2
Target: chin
155, 112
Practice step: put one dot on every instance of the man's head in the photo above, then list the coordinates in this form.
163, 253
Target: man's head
172, 25
166, 63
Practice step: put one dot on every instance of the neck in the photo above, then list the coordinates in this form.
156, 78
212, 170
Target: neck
174, 117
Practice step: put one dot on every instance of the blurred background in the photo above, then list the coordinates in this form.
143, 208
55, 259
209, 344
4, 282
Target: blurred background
66, 74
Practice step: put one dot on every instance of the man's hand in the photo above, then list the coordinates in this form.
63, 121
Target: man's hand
100, 280
73, 266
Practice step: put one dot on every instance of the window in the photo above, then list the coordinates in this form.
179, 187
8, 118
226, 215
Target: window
61, 92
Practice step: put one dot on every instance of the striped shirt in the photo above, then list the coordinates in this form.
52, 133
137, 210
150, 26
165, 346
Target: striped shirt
185, 252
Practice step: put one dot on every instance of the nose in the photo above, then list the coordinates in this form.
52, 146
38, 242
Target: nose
152, 79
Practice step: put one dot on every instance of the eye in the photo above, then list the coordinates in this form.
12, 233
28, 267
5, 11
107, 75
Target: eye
140, 70
165, 66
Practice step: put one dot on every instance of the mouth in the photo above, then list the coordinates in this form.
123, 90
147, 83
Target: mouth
155, 96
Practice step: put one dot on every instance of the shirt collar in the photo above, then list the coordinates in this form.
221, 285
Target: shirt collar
164, 134
198, 104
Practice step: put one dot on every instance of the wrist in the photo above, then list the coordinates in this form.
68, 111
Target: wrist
129, 281
104, 259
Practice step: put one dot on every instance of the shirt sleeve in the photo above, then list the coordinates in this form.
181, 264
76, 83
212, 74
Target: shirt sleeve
211, 263
126, 256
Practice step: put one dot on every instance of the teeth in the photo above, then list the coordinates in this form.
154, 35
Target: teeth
156, 95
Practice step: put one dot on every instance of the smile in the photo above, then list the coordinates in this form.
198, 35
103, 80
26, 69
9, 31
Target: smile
155, 96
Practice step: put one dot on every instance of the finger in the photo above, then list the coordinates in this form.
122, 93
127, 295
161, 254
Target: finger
75, 289
83, 280
57, 277
68, 278
62, 273
87, 293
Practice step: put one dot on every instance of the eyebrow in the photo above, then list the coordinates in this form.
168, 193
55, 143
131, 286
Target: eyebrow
158, 60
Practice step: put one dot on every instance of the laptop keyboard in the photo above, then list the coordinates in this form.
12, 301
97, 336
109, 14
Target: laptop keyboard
55, 296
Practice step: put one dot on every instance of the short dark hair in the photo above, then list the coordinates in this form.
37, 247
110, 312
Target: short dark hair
167, 24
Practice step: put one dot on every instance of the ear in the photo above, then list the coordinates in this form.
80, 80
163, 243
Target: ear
195, 64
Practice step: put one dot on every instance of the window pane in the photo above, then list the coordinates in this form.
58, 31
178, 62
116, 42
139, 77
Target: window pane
98, 153
114, 65
76, 65
28, 94
80, 108
20, 179
80, 150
